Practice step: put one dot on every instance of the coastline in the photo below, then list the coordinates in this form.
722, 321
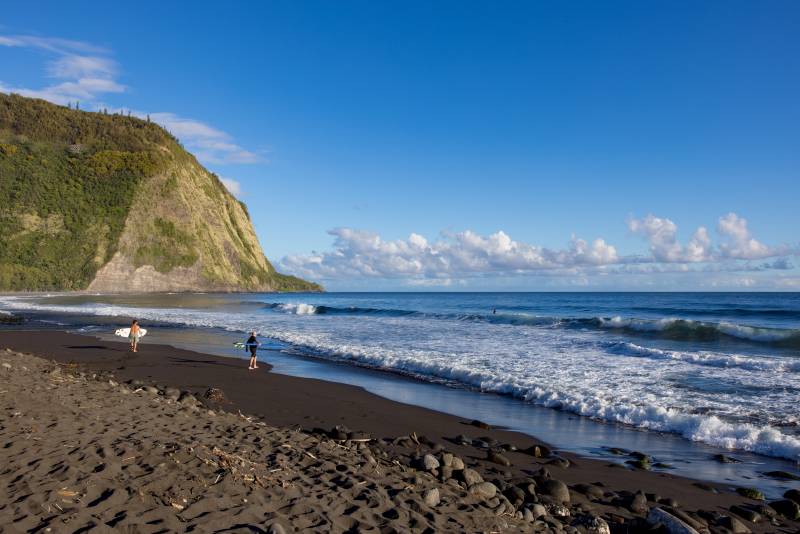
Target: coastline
284, 401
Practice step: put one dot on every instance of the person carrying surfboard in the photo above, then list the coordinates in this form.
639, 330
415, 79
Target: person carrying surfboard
134, 335
252, 345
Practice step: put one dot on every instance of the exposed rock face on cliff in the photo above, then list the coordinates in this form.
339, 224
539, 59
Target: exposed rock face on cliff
113, 203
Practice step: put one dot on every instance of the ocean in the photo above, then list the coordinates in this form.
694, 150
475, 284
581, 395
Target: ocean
721, 369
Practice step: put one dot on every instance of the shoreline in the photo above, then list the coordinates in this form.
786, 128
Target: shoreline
286, 401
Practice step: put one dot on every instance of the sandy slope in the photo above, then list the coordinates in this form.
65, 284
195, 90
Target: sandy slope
81, 453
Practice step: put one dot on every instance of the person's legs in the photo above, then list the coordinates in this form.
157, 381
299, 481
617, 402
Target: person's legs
253, 363
135, 343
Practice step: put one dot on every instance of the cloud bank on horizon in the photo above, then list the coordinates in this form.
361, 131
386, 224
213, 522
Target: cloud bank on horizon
358, 254
84, 74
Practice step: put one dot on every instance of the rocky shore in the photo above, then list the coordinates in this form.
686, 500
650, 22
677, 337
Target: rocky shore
105, 442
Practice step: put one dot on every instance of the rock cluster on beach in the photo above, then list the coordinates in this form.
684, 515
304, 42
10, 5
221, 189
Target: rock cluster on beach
84, 450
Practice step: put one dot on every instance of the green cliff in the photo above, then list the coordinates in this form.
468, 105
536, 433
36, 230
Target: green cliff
113, 203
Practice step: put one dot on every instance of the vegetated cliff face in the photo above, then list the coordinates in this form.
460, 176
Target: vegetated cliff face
113, 203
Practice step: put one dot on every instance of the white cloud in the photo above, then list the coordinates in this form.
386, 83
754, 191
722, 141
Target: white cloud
361, 254
85, 73
208, 144
740, 243
234, 187
662, 235
358, 253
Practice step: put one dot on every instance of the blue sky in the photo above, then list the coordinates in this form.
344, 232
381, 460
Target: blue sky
501, 134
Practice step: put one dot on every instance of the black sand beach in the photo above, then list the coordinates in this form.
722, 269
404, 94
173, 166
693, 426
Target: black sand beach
405, 434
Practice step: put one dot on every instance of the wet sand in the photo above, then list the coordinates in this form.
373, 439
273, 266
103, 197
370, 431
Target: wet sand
402, 436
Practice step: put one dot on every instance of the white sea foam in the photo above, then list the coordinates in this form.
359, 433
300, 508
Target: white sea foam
298, 308
745, 332
574, 370
713, 359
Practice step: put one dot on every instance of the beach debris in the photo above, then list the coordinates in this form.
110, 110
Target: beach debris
671, 524
750, 493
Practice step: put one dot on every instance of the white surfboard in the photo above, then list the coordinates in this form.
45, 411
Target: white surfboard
125, 332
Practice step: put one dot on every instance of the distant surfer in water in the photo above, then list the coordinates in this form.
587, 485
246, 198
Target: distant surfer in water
252, 345
134, 335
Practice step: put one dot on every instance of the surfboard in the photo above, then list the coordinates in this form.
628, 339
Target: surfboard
125, 332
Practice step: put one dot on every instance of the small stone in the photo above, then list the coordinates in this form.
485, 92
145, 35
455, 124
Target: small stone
538, 511
480, 424
458, 464
750, 493
7, 365
558, 510
187, 399
471, 477
432, 497
591, 524
430, 462
637, 503
497, 458
793, 495
787, 508
446, 472
112, 383
276, 528
527, 515
563, 463
484, 490
215, 395
782, 475
725, 459
172, 393
538, 451
733, 524
746, 513
640, 463
151, 390
672, 524
555, 489
447, 459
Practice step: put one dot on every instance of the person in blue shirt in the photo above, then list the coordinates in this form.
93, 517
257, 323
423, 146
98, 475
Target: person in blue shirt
252, 345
